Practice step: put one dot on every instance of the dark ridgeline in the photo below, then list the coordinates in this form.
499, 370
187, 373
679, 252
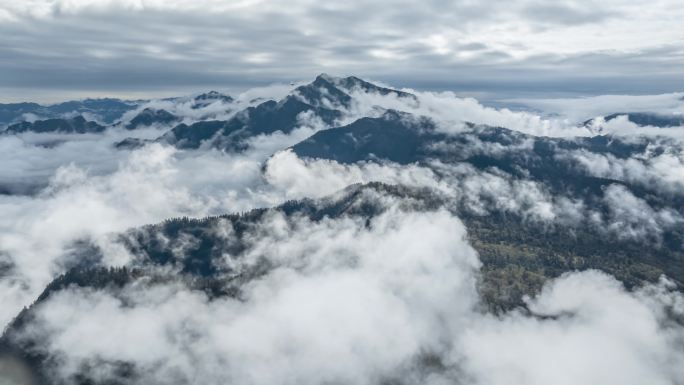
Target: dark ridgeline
266, 118
107, 110
149, 117
211, 97
405, 139
325, 98
76, 125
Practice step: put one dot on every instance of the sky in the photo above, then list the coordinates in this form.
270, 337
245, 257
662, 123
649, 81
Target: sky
61, 49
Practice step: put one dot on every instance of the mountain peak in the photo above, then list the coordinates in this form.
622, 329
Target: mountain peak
325, 77
207, 98
213, 95
353, 83
323, 92
150, 116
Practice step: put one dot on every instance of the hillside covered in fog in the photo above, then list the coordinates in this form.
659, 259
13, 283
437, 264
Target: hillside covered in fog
343, 231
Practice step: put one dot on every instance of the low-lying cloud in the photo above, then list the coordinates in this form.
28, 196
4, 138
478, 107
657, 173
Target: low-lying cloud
84, 189
355, 302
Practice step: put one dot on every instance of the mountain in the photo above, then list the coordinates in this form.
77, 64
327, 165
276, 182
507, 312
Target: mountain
76, 125
333, 92
106, 110
323, 92
395, 137
208, 98
404, 139
325, 98
265, 118
352, 83
551, 255
149, 116
132, 143
13, 111
516, 259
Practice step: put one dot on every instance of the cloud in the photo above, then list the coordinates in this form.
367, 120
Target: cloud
186, 109
528, 45
482, 192
84, 189
352, 301
659, 167
317, 178
569, 13
451, 111
632, 217
585, 341
581, 109
31, 159
334, 307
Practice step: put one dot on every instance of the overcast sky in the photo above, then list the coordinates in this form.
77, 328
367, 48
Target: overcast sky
59, 49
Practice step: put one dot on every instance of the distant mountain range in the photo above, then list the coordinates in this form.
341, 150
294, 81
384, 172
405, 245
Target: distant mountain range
105, 112
75, 125
326, 98
149, 117
108, 110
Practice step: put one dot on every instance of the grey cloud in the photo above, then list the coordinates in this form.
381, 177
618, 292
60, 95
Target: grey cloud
483, 193
335, 308
158, 48
99, 190
659, 168
568, 12
314, 262
472, 46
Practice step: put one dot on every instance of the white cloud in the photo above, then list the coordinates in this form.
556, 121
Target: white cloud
349, 302
343, 303
632, 217
602, 334
660, 166
92, 190
581, 109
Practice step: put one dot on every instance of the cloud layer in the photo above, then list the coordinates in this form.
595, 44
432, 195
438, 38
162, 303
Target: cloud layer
579, 46
352, 301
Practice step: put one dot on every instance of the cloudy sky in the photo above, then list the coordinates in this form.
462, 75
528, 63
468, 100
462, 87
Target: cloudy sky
56, 49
